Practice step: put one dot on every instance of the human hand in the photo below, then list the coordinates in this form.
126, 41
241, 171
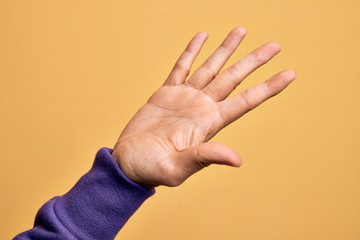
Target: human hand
167, 139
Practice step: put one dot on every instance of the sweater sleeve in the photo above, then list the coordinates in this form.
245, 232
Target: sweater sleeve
97, 207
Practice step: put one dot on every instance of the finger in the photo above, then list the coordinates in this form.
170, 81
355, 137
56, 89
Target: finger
208, 70
204, 154
230, 78
183, 65
234, 107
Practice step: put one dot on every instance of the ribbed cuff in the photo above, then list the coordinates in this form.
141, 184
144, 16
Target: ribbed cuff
102, 200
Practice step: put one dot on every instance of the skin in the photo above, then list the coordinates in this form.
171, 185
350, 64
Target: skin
167, 139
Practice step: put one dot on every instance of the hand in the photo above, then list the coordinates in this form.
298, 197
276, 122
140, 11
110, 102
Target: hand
167, 139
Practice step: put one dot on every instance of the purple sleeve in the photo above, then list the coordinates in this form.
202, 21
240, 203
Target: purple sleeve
97, 207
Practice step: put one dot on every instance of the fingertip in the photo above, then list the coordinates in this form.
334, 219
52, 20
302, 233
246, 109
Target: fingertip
240, 31
275, 45
234, 158
236, 161
292, 73
204, 35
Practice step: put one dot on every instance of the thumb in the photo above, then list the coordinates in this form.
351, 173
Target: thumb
204, 154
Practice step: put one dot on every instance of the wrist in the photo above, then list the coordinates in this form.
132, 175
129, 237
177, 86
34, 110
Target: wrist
128, 173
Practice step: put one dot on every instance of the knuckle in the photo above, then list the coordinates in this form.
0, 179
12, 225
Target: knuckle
259, 56
180, 66
197, 154
228, 44
201, 160
234, 76
203, 164
209, 69
245, 101
233, 73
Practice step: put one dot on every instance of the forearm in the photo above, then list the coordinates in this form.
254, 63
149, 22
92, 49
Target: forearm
97, 206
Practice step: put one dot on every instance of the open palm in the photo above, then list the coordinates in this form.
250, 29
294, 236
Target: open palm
167, 139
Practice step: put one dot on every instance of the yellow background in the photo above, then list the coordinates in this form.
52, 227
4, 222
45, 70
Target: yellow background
72, 73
